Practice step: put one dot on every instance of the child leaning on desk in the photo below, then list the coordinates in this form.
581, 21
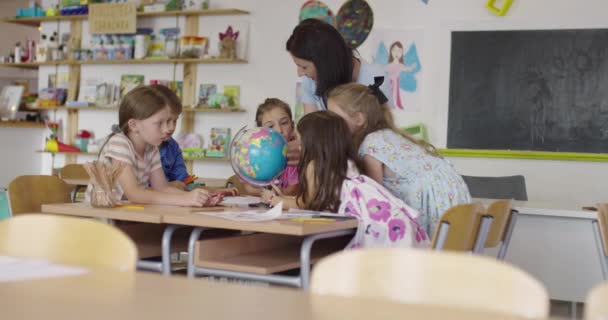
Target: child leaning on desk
143, 116
330, 180
275, 114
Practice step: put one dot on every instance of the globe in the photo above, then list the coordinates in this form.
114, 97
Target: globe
258, 155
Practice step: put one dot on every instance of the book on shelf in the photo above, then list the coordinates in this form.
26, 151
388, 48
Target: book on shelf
204, 92
175, 86
129, 82
233, 94
219, 142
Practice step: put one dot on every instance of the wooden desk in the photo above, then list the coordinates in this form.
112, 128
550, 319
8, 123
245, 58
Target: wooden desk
554, 241
312, 231
209, 182
107, 295
186, 216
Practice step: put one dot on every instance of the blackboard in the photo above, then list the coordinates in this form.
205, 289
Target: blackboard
537, 90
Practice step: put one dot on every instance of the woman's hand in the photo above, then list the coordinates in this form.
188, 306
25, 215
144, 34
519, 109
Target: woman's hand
294, 148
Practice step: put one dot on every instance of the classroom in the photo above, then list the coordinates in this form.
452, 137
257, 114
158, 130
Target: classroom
304, 159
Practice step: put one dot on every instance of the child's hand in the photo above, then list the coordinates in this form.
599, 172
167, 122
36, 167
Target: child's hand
197, 198
179, 185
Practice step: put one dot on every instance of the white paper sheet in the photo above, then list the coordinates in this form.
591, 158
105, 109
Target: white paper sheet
249, 215
20, 269
241, 201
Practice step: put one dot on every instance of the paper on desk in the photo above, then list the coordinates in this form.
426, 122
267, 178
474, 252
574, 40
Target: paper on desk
20, 269
241, 200
249, 215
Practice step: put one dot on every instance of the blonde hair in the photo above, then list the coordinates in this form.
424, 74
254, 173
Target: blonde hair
354, 97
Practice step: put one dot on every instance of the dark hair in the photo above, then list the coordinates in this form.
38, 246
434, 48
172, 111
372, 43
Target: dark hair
270, 104
353, 98
142, 103
390, 52
326, 144
321, 44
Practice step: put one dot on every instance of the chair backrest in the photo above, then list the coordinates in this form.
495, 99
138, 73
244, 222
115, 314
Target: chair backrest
432, 278
235, 182
602, 219
73, 171
596, 304
511, 187
29, 193
500, 211
67, 240
463, 223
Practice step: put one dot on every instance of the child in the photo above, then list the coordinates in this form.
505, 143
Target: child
275, 114
142, 121
410, 168
170, 152
331, 181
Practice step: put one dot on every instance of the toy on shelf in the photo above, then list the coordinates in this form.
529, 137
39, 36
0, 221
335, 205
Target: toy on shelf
82, 140
191, 145
52, 142
228, 44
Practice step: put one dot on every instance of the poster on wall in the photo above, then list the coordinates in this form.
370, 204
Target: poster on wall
398, 51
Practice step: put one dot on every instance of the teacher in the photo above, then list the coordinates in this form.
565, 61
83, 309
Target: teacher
325, 61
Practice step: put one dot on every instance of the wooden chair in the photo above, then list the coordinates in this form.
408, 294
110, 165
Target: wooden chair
235, 182
76, 172
27, 193
511, 187
596, 306
67, 240
600, 228
432, 278
459, 228
501, 217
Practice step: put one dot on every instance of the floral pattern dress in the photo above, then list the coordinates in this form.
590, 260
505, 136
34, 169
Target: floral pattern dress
429, 184
384, 220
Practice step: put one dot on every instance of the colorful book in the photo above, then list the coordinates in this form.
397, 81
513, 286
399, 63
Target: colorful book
129, 82
206, 90
233, 93
219, 143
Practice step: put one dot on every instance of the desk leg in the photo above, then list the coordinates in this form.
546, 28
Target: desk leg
166, 249
196, 233
305, 253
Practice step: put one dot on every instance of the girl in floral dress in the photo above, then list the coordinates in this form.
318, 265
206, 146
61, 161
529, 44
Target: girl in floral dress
410, 168
330, 180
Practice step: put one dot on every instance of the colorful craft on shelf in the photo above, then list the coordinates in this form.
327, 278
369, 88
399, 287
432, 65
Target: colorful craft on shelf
53, 145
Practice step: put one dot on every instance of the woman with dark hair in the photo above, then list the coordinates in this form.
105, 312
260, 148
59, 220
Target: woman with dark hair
325, 61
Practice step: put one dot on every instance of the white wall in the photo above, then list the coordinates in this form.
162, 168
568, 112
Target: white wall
271, 73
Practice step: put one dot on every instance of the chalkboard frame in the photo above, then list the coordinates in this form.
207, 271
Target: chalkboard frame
524, 154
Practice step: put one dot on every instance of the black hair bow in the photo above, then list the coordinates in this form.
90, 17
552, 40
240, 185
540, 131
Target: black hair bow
376, 90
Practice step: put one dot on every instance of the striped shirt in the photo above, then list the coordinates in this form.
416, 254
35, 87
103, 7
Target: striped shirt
119, 147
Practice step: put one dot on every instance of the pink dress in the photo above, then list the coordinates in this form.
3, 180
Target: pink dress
289, 177
384, 220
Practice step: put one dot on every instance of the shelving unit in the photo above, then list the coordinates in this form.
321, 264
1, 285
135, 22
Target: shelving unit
36, 21
22, 124
189, 81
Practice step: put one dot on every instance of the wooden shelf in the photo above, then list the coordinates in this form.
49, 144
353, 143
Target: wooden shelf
214, 110
70, 153
207, 159
33, 65
22, 124
36, 21
95, 153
